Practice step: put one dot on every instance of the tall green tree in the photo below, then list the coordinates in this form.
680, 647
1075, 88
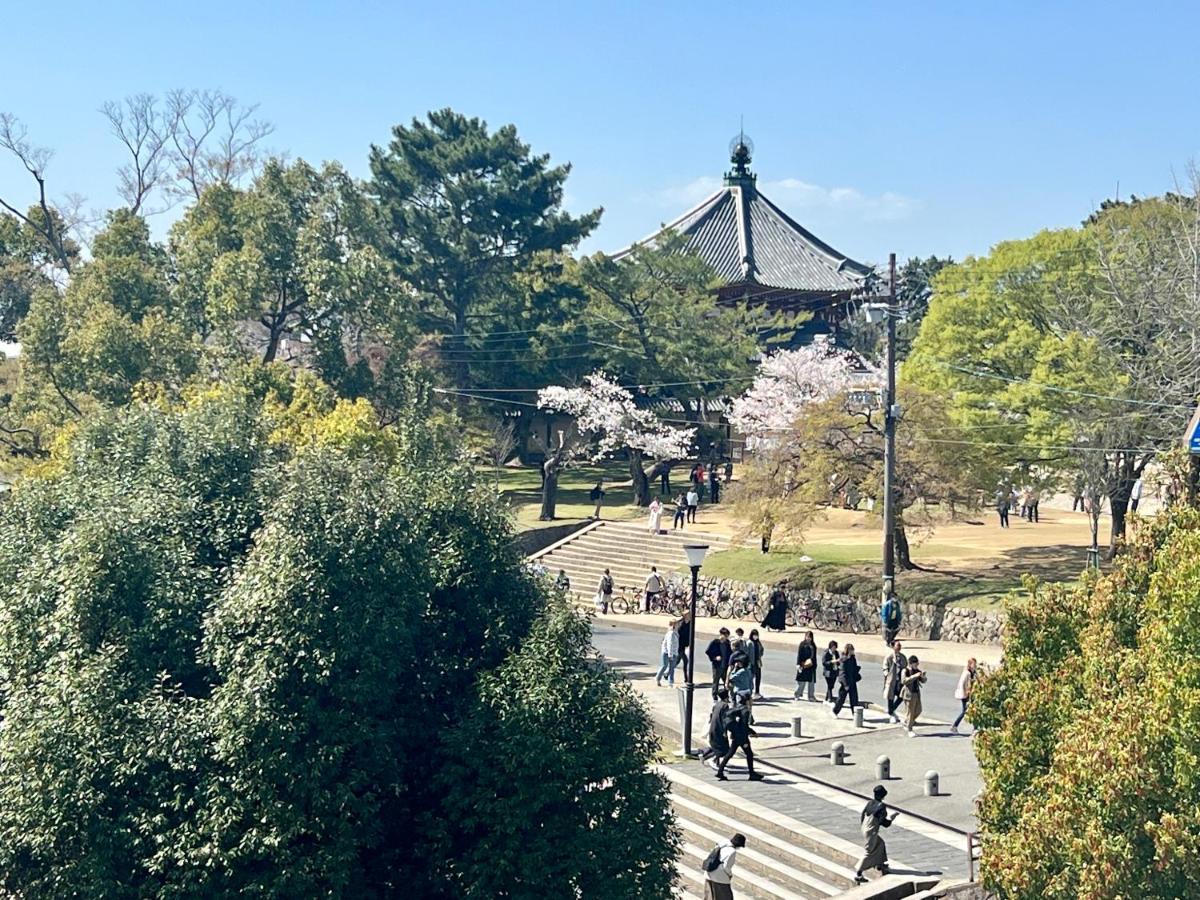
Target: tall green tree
665, 327
116, 324
465, 210
215, 619
1088, 733
1072, 352
293, 255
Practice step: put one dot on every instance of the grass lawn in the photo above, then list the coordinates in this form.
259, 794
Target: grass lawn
970, 562
521, 488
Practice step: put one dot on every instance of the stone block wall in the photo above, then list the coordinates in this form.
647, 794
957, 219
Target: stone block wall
921, 621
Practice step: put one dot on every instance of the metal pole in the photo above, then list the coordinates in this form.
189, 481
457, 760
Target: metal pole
889, 446
691, 672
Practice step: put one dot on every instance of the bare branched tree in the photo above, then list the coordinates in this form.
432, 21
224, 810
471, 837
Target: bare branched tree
144, 129
214, 139
43, 217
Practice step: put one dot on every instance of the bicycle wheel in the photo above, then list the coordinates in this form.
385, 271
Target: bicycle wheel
620, 605
724, 609
789, 618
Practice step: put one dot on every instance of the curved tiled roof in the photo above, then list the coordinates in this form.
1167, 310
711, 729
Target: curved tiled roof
747, 239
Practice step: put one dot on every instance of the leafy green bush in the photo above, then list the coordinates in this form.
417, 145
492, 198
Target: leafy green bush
1090, 732
257, 647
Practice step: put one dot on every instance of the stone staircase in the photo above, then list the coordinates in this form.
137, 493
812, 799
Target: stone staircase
627, 549
783, 859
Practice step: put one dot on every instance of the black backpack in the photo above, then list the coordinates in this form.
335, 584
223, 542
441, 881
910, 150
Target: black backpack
713, 859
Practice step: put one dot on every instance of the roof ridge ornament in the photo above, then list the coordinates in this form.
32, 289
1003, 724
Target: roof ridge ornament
741, 151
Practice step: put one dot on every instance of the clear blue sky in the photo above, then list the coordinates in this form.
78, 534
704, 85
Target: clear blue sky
920, 128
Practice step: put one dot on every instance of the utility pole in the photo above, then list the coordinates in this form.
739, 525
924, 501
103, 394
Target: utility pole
889, 438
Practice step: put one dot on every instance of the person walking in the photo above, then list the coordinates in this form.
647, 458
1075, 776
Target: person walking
655, 516
890, 615
664, 480
718, 742
604, 592
849, 675
1077, 494
1002, 507
911, 681
685, 638
680, 512
806, 666
670, 654
714, 485
776, 618
893, 678
1035, 498
693, 501
718, 653
874, 816
654, 589
737, 722
759, 650
1135, 495
741, 681
718, 881
830, 663
597, 497
962, 693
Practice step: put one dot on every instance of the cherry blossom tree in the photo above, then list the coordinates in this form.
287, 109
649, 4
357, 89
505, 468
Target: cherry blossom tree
788, 381
608, 420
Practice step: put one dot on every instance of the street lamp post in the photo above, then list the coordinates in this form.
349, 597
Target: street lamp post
695, 559
889, 311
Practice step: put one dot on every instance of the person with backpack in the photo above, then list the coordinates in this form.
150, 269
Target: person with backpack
874, 816
757, 662
890, 615
654, 589
910, 692
604, 592
718, 869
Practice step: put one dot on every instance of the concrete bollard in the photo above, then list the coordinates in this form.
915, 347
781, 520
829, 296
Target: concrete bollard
883, 769
837, 754
796, 727
931, 783
858, 717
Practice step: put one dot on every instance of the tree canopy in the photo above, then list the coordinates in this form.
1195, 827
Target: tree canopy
250, 644
1088, 732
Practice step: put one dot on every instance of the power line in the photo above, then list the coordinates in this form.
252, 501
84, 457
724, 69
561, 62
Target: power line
1075, 447
1059, 390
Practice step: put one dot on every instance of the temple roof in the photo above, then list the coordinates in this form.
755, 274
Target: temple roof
749, 240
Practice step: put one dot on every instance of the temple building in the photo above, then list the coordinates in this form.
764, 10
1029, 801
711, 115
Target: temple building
762, 255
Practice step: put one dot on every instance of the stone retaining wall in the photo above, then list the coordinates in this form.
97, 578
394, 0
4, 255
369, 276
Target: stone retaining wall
921, 621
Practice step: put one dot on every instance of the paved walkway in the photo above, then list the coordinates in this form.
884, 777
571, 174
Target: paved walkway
944, 656
801, 782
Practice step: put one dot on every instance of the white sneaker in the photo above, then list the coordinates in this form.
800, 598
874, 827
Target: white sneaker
911, 733
895, 719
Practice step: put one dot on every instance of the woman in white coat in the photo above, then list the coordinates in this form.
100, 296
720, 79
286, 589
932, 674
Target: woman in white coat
670, 654
655, 516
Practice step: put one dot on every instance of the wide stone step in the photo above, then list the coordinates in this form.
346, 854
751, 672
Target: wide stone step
753, 859
746, 882
730, 821
839, 852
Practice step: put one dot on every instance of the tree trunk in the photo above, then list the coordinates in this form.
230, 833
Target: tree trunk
641, 484
550, 470
1193, 481
521, 436
900, 543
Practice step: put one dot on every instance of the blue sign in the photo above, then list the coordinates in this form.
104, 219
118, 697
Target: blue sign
1193, 435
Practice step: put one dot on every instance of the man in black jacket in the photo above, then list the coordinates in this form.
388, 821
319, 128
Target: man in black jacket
718, 653
737, 722
718, 743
